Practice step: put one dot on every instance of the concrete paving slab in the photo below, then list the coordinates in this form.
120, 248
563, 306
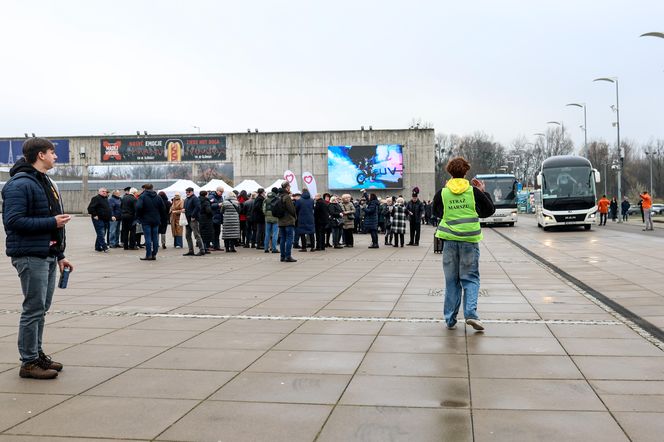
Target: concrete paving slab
71, 380
414, 364
308, 362
234, 421
523, 367
17, 408
379, 424
179, 358
642, 427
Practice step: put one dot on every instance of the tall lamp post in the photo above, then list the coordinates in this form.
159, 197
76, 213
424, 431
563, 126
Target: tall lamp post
584, 127
617, 125
650, 154
562, 129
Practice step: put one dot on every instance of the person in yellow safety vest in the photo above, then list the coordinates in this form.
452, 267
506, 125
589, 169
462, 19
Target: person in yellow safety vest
460, 206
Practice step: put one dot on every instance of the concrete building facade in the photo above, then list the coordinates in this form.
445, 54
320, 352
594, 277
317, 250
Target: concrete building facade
264, 156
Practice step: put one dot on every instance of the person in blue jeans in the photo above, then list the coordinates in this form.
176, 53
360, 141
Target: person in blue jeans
287, 224
116, 218
460, 206
100, 212
34, 221
271, 223
151, 212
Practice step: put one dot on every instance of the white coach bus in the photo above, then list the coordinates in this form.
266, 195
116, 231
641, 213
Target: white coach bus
503, 191
567, 194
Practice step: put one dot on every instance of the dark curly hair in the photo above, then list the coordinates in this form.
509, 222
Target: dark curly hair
458, 167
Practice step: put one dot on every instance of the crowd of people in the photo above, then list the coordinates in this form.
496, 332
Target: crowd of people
608, 209
275, 221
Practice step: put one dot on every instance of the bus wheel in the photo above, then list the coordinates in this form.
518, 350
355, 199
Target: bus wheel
546, 229
587, 226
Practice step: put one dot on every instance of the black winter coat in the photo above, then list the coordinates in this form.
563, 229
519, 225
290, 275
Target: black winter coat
257, 216
321, 214
150, 209
128, 206
100, 208
371, 215
28, 219
416, 210
205, 220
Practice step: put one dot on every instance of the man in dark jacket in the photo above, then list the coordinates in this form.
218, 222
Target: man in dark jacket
116, 217
321, 221
100, 212
258, 218
151, 212
192, 210
415, 211
216, 200
128, 214
205, 221
287, 224
34, 221
271, 222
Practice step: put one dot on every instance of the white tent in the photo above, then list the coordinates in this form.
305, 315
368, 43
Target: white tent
247, 185
213, 184
179, 186
276, 184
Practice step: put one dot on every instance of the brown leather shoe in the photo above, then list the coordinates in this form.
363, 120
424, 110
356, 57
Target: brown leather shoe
37, 370
52, 365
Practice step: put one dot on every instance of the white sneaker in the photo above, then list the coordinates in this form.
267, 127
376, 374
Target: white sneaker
475, 323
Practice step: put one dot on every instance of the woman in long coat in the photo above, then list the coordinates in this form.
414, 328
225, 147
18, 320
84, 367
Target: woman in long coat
371, 219
230, 233
399, 222
205, 221
336, 221
164, 225
349, 219
176, 229
304, 209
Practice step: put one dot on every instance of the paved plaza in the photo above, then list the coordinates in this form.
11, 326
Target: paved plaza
350, 346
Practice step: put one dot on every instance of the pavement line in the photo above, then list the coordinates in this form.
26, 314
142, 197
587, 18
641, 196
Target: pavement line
642, 327
315, 318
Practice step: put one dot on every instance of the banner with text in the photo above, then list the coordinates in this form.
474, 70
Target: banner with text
12, 150
172, 149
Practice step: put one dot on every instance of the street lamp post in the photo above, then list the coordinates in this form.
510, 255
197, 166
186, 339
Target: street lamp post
197, 127
649, 154
562, 129
617, 124
585, 125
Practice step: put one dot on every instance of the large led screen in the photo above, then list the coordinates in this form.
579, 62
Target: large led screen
365, 167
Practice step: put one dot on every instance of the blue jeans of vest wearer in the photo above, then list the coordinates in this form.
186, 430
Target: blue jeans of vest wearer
101, 227
38, 284
271, 232
151, 233
462, 273
286, 233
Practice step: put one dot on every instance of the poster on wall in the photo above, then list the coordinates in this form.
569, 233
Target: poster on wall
171, 149
12, 150
365, 167
202, 172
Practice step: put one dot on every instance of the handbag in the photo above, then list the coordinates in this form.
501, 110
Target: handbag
183, 220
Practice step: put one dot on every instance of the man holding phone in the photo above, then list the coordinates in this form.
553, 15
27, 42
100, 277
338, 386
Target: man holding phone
34, 221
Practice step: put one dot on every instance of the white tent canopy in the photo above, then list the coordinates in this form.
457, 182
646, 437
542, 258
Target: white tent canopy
179, 187
276, 184
248, 185
213, 184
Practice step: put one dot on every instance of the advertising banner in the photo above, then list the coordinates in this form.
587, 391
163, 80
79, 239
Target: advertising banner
292, 179
172, 149
310, 183
365, 167
12, 150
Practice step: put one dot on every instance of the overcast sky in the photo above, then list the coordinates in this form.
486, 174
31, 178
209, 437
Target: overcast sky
501, 67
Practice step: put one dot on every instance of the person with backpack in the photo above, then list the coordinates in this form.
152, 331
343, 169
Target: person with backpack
284, 209
271, 223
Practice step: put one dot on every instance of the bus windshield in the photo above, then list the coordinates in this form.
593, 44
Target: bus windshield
568, 182
502, 191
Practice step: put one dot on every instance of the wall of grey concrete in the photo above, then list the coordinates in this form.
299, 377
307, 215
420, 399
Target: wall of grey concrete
264, 156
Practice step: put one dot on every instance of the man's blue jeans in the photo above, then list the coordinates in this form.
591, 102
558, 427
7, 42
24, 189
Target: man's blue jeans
461, 268
271, 231
38, 284
151, 239
101, 227
286, 243
114, 235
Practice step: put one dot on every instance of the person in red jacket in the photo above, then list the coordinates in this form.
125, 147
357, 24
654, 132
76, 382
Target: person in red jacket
603, 207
